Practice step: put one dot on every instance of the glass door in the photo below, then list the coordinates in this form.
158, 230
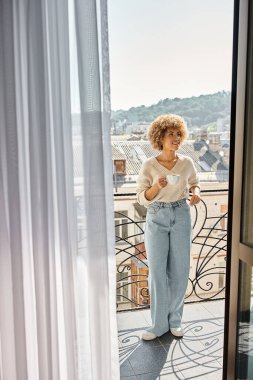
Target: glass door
240, 311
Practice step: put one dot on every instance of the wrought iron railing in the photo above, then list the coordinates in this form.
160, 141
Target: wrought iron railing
208, 255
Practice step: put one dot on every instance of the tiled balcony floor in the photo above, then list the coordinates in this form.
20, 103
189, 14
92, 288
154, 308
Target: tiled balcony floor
198, 355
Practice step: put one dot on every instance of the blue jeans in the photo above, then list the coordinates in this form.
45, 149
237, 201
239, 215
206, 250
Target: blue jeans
168, 243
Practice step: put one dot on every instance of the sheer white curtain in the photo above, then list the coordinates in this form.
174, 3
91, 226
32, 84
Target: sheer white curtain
57, 294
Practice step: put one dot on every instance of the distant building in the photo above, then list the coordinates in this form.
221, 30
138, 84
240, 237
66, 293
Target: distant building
214, 141
210, 164
198, 134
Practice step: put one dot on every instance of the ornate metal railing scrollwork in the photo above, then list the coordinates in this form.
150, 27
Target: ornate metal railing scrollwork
208, 256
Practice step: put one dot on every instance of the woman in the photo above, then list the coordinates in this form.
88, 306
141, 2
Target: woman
163, 186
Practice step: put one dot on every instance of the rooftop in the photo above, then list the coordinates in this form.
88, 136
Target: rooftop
136, 152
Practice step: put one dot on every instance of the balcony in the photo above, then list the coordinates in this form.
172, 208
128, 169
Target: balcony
199, 353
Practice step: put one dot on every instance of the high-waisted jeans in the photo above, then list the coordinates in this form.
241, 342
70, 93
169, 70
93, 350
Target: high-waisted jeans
168, 243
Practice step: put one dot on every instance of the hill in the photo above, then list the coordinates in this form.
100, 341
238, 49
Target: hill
197, 110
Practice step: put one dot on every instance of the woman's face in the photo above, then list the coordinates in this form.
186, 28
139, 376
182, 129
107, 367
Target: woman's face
172, 139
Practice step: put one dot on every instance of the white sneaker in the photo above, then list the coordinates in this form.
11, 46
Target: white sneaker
148, 335
177, 331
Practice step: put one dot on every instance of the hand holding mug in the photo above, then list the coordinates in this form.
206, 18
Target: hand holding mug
161, 182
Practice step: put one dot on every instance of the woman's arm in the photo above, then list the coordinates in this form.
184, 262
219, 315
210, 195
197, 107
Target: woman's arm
194, 184
152, 192
195, 189
147, 190
195, 198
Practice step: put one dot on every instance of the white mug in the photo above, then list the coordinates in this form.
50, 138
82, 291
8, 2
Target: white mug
173, 178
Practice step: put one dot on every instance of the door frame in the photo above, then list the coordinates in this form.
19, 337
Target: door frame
236, 250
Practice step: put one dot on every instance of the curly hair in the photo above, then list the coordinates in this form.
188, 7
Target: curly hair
161, 124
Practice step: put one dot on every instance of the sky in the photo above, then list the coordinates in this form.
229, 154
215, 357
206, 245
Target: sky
168, 48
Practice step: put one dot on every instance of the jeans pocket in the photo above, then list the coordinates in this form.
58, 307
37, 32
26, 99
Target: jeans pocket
185, 205
153, 209
186, 208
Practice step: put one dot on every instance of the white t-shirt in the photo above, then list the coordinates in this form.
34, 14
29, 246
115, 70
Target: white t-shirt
151, 170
